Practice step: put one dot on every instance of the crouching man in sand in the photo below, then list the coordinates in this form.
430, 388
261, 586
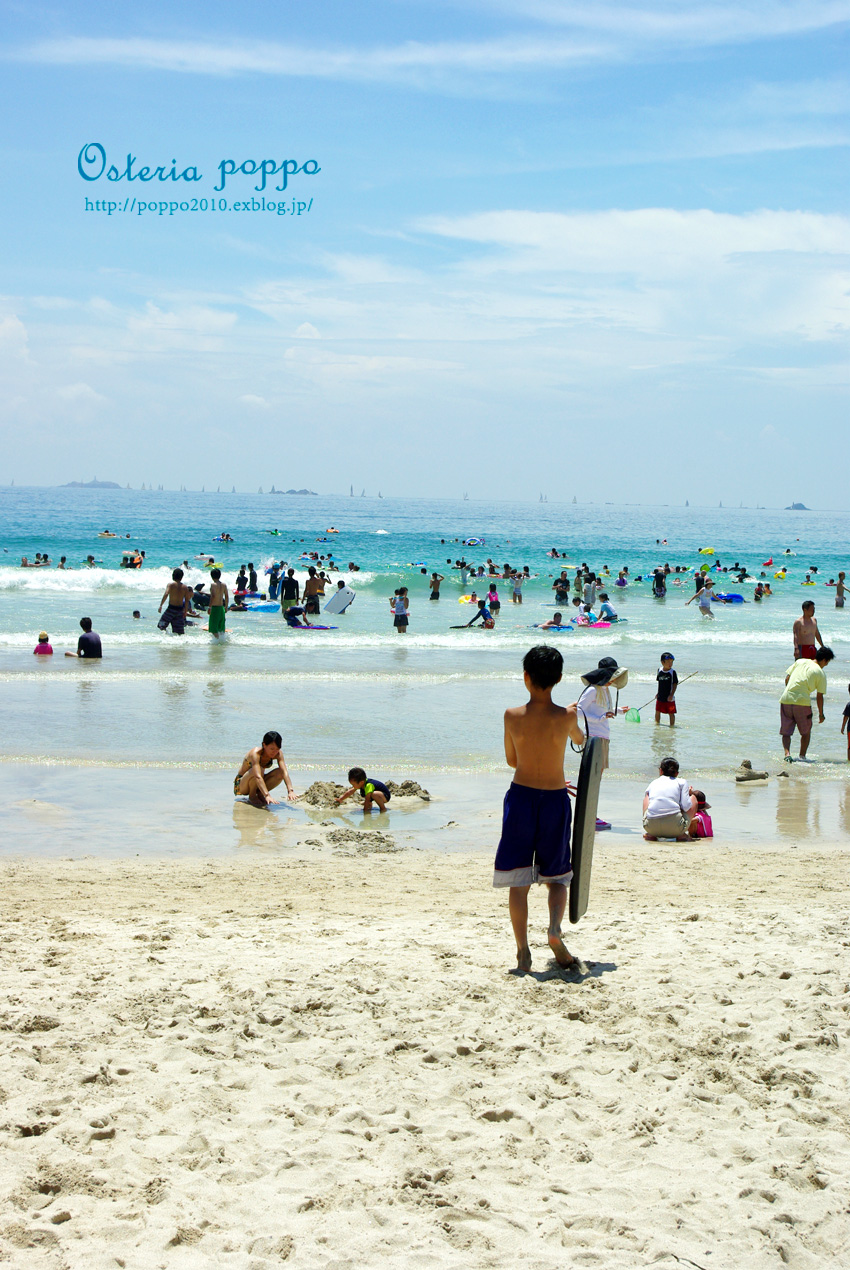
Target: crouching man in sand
535, 842
254, 781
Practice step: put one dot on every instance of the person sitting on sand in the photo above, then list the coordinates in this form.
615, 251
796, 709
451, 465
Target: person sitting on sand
536, 822
374, 791
669, 805
43, 648
701, 826
254, 781
88, 645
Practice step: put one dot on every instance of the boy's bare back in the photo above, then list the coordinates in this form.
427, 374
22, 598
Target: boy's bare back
536, 737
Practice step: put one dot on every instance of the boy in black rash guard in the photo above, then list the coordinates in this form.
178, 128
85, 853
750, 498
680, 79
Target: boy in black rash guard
668, 681
88, 645
374, 791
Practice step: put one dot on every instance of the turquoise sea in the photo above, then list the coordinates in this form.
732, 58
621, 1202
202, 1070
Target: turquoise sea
430, 700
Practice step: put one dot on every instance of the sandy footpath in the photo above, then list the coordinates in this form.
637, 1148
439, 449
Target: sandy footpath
323, 1060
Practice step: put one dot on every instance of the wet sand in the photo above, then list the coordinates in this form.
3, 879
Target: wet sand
79, 809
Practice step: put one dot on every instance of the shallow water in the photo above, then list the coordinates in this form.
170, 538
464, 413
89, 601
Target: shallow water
430, 699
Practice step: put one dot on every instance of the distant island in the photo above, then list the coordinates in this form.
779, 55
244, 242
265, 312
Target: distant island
91, 485
312, 493
798, 507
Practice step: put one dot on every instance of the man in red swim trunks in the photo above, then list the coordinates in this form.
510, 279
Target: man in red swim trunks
806, 633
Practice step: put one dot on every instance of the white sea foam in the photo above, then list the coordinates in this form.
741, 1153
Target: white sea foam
85, 581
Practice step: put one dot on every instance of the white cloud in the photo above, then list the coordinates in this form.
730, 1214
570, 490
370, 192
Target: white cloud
80, 394
593, 33
359, 366
13, 338
251, 399
709, 22
307, 331
654, 240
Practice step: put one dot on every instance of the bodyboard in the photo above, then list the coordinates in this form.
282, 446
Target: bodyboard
340, 600
584, 826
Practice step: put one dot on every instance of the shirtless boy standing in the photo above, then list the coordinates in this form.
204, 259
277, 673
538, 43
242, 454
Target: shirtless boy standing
176, 594
535, 842
254, 781
219, 600
806, 633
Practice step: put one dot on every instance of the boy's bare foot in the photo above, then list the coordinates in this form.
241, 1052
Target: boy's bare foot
647, 837
562, 954
523, 960
256, 801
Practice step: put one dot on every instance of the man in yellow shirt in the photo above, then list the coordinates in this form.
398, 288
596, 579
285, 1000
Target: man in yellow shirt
802, 678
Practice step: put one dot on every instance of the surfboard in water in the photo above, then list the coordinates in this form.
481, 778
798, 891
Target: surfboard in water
340, 600
584, 826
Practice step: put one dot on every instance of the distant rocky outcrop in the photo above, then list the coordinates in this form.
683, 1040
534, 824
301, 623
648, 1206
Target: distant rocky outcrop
91, 485
312, 493
798, 507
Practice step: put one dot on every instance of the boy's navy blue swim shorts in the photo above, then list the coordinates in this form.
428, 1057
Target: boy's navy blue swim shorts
535, 842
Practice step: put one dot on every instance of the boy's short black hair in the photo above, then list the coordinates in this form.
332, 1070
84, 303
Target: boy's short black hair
825, 654
177, 574
85, 622
215, 574
669, 767
356, 774
543, 665
273, 738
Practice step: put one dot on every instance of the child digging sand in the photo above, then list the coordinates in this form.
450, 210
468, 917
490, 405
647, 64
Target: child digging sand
535, 841
374, 791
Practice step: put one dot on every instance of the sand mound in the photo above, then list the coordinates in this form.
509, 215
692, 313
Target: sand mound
408, 789
367, 842
323, 794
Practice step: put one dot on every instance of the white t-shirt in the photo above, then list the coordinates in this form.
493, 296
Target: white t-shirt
667, 795
704, 598
590, 594
598, 724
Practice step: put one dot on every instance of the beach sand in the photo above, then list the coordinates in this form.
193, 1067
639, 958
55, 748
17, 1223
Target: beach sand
323, 1059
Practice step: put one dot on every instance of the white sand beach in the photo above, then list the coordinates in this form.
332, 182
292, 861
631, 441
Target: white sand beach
324, 1060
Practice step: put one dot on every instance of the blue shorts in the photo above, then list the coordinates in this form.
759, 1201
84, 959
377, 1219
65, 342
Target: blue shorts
535, 842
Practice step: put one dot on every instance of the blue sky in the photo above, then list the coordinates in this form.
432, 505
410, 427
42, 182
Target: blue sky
574, 248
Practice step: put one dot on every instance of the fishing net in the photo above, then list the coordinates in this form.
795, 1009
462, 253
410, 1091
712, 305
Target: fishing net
633, 715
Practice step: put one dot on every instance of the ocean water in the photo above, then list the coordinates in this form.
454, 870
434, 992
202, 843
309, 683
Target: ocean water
428, 700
